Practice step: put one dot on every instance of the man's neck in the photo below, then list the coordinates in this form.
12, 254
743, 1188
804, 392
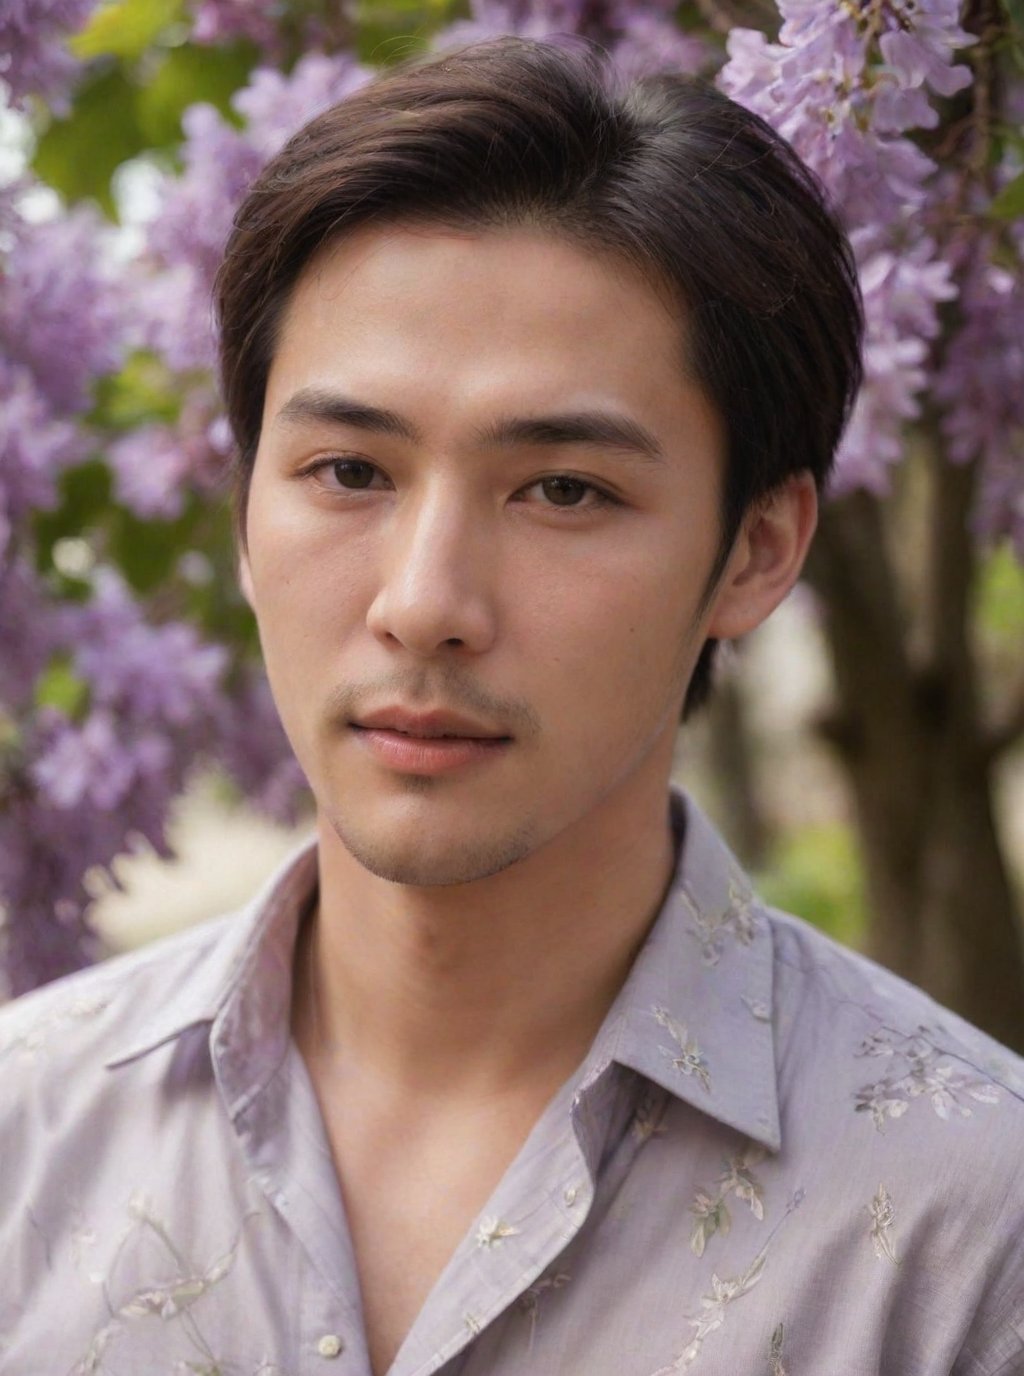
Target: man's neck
479, 991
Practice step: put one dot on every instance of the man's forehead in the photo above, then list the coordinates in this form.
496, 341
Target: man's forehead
546, 336
548, 272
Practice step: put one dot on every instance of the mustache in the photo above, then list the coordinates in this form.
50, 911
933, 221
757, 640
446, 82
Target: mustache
446, 688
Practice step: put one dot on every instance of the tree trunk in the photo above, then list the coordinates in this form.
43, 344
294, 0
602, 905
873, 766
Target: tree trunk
914, 748
731, 755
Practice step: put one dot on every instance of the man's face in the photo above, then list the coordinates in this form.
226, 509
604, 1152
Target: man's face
484, 487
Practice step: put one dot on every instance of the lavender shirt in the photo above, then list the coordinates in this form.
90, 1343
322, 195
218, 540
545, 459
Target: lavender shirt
776, 1160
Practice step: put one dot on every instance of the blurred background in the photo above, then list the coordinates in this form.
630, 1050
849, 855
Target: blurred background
863, 751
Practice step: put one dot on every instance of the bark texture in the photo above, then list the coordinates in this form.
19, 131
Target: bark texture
917, 752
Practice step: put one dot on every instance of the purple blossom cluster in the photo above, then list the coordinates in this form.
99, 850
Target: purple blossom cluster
60, 327
184, 242
901, 291
980, 385
34, 59
846, 84
81, 788
145, 700
222, 21
187, 233
642, 35
60, 320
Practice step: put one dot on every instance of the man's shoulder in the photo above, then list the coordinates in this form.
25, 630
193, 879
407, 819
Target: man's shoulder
863, 1020
132, 1002
913, 1116
97, 1014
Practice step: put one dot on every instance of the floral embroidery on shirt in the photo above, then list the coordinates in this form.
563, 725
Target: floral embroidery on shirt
737, 920
918, 1070
710, 1216
709, 1208
493, 1230
529, 1300
688, 1060
32, 1035
714, 1305
775, 1354
170, 1298
722, 1294
883, 1216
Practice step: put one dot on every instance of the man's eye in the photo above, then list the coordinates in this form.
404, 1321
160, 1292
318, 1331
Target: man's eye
561, 489
564, 491
352, 473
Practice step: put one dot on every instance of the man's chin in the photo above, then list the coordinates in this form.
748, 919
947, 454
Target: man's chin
431, 862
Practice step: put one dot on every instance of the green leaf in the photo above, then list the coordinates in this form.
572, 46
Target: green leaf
84, 495
1010, 201
125, 28
1014, 31
391, 30
147, 552
999, 598
142, 393
59, 686
78, 155
188, 74
817, 871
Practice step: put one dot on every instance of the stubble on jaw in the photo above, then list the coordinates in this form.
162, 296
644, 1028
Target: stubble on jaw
413, 866
410, 863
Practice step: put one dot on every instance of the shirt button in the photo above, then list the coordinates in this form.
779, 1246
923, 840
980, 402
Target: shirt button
330, 1345
570, 1195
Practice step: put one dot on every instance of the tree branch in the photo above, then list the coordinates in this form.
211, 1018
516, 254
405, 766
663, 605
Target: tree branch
953, 566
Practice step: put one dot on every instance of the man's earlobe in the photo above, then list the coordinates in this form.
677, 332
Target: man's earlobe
766, 559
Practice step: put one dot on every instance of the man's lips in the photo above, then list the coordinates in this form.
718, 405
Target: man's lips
436, 725
428, 743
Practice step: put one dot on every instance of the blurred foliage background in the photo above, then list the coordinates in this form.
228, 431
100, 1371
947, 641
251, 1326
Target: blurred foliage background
863, 754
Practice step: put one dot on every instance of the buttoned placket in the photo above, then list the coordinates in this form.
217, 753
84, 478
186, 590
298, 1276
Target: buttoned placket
269, 1098
529, 1222
538, 1210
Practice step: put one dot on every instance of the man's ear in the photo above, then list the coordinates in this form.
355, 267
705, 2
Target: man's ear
766, 558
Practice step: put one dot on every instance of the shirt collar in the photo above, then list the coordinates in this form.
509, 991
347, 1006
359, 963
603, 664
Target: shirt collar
694, 1016
695, 1013
242, 954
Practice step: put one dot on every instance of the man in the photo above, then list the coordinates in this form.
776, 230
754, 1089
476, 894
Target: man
534, 385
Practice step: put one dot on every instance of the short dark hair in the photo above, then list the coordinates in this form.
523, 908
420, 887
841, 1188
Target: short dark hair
698, 193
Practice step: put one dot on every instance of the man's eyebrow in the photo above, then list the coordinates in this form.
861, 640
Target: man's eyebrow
603, 429
313, 404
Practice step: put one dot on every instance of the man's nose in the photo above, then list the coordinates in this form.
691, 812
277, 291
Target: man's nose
437, 575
